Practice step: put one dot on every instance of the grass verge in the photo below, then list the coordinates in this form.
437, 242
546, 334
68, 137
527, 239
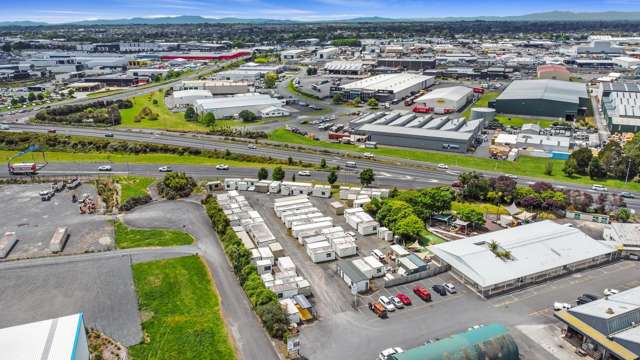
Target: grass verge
131, 186
180, 311
166, 119
524, 166
127, 238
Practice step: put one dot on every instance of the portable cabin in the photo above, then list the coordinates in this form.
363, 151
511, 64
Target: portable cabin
59, 239
251, 182
300, 188
363, 267
344, 246
285, 264
304, 286
358, 203
323, 191
352, 276
290, 309
266, 254
296, 230
260, 234
242, 185
321, 252
262, 186
274, 187
213, 186
287, 199
263, 266
231, 184
337, 207
376, 265
276, 249
246, 240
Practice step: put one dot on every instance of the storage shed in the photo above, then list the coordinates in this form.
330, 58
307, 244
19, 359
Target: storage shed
321, 251
353, 277
376, 265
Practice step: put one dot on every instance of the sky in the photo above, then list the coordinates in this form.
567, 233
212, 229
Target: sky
60, 11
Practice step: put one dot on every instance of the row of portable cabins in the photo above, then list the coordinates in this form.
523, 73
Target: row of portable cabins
312, 229
265, 250
352, 193
361, 221
287, 188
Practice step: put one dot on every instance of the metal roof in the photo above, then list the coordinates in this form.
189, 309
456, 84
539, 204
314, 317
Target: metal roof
238, 101
555, 90
534, 247
352, 271
415, 132
453, 93
389, 82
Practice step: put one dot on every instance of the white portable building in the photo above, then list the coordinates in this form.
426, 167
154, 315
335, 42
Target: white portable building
59, 239
344, 246
264, 266
296, 230
360, 202
321, 251
299, 188
337, 207
289, 306
323, 191
246, 240
274, 187
242, 185
266, 254
231, 184
376, 265
262, 186
276, 249
363, 267
285, 264
250, 181
287, 199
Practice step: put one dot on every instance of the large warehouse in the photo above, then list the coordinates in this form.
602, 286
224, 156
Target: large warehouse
505, 260
407, 129
547, 98
620, 106
229, 106
446, 100
608, 327
385, 87
216, 87
188, 97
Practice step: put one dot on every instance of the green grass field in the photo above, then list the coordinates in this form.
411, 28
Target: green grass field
294, 90
166, 119
131, 186
524, 166
506, 120
127, 237
153, 158
180, 310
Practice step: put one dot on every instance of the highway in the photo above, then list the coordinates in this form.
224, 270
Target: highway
390, 171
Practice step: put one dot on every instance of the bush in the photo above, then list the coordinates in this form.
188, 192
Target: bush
135, 201
100, 112
176, 185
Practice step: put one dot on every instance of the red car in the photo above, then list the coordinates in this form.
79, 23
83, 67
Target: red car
403, 298
422, 293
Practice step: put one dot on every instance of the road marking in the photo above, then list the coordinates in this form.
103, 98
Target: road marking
81, 172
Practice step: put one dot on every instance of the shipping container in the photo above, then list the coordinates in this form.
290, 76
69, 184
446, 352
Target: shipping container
59, 240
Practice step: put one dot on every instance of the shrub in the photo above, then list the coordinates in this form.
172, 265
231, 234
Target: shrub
134, 201
176, 185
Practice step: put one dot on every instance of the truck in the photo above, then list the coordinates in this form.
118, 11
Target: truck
378, 309
422, 109
23, 169
478, 90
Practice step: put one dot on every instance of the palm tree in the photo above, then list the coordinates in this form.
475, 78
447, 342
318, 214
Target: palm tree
493, 246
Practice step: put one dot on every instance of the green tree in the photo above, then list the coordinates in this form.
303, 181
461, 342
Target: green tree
432, 201
596, 170
623, 215
277, 174
332, 177
548, 168
190, 114
270, 79
263, 174
570, 167
248, 116
337, 99
209, 120
610, 156
31, 97
312, 71
323, 163
409, 228
290, 160
473, 216
356, 101
367, 177
581, 157
372, 103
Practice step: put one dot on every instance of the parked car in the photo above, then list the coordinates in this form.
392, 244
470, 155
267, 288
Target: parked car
104, 168
597, 187
443, 166
450, 288
388, 305
511, 176
590, 296
165, 169
627, 195
109, 135
368, 155
304, 173
4, 127
52, 131
222, 167
557, 306
404, 298
376, 253
378, 309
386, 353
252, 146
422, 293
609, 292
581, 300
440, 289
397, 302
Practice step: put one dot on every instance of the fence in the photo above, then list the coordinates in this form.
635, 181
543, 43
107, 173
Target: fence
432, 271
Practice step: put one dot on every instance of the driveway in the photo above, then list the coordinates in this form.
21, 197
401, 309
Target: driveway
251, 339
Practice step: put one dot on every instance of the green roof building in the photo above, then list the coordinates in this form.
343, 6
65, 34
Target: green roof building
486, 342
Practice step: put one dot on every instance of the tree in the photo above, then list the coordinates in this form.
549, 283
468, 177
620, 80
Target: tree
293, 177
581, 159
248, 116
277, 174
473, 216
610, 156
596, 170
323, 163
432, 201
190, 114
337, 99
263, 174
570, 167
372, 103
209, 120
290, 160
31, 97
356, 101
367, 177
270, 79
409, 228
548, 168
623, 214
312, 71
332, 177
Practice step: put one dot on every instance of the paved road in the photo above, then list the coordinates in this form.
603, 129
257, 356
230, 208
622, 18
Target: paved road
251, 339
409, 170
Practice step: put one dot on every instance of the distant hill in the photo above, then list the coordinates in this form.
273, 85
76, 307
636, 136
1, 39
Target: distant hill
190, 19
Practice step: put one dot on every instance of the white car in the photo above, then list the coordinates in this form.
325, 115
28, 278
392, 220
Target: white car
386, 353
222, 167
304, 173
511, 176
451, 289
557, 306
4, 127
388, 305
609, 292
368, 155
251, 146
597, 187
104, 168
165, 169
396, 302
443, 166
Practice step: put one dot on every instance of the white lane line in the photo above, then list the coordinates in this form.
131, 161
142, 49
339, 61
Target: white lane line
80, 172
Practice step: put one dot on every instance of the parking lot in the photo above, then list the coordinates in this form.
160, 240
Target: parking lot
34, 221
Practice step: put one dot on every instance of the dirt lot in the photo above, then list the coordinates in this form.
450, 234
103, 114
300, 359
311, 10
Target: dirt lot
34, 221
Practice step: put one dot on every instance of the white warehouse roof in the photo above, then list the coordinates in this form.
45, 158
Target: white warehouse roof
453, 93
192, 93
534, 248
242, 100
53, 339
390, 82
555, 90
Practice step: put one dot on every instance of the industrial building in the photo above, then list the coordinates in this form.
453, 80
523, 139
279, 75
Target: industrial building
412, 64
116, 80
188, 97
62, 338
620, 106
249, 75
216, 87
625, 235
607, 328
446, 100
293, 55
547, 98
509, 259
600, 47
229, 106
553, 72
491, 341
385, 87
408, 129
327, 54
626, 62
340, 67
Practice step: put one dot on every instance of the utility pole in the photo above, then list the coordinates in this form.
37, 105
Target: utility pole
628, 168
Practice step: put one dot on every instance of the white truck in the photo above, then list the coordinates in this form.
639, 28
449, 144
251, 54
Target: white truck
23, 169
